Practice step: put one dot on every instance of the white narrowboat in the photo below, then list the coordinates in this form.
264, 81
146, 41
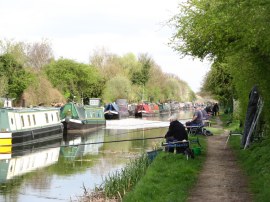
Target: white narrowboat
26, 126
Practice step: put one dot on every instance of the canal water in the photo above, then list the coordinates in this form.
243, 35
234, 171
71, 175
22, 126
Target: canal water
60, 170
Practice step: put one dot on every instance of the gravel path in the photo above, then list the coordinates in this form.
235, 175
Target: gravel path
221, 178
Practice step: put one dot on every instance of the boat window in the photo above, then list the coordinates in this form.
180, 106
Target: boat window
29, 121
52, 117
11, 120
46, 117
34, 119
22, 120
57, 115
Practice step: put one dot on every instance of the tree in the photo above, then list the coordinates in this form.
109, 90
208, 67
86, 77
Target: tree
231, 32
16, 49
4, 86
117, 88
16, 79
141, 76
39, 54
218, 81
75, 79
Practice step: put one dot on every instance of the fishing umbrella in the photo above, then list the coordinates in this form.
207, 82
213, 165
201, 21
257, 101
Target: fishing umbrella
251, 115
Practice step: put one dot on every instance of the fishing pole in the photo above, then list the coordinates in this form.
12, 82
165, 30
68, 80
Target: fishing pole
112, 141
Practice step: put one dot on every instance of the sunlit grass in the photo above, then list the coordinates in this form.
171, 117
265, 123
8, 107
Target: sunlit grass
169, 178
117, 184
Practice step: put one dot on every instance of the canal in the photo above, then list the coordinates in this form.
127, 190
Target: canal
59, 171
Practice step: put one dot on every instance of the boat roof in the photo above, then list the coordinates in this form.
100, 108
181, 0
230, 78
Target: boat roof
26, 109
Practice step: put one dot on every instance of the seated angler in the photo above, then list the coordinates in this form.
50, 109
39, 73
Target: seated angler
176, 132
197, 119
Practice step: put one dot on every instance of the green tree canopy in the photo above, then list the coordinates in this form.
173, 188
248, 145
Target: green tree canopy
231, 32
118, 87
15, 78
75, 79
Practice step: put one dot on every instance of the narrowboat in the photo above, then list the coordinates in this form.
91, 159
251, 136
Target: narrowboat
111, 111
144, 110
123, 108
154, 108
82, 118
131, 109
174, 106
164, 108
28, 126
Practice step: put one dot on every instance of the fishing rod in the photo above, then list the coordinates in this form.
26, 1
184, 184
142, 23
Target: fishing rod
29, 151
101, 142
112, 141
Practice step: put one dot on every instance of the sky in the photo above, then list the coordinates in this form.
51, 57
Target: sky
75, 28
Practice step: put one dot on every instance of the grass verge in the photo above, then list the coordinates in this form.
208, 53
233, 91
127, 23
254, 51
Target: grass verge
255, 161
169, 178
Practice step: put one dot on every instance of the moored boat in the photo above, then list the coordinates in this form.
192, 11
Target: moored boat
154, 108
174, 106
26, 126
123, 108
144, 110
164, 108
131, 109
111, 111
81, 118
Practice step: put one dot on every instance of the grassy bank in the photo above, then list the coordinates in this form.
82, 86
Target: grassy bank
255, 161
168, 178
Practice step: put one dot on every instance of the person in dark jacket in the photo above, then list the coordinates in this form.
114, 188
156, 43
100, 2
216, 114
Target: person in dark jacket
215, 109
176, 132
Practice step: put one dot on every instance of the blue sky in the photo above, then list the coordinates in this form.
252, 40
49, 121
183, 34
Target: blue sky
75, 28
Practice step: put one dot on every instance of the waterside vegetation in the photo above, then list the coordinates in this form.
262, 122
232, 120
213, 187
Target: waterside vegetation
169, 177
234, 36
255, 160
40, 79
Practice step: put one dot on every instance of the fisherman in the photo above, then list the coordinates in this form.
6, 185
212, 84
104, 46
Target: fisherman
197, 119
176, 132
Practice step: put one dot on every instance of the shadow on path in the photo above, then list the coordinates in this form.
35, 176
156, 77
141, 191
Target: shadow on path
221, 178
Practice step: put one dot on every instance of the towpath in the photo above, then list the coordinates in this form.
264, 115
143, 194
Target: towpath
221, 178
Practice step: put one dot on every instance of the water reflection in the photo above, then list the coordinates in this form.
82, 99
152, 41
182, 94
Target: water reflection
80, 161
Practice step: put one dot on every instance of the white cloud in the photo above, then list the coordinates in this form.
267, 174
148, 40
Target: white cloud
76, 28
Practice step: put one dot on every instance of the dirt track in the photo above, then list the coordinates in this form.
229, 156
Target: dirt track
221, 178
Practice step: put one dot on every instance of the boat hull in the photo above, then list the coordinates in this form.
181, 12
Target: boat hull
76, 126
18, 140
145, 114
110, 116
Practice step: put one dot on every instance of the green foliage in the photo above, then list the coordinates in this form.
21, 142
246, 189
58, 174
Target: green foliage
256, 163
116, 88
16, 78
146, 80
75, 79
124, 180
141, 76
254, 160
235, 36
218, 82
169, 178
